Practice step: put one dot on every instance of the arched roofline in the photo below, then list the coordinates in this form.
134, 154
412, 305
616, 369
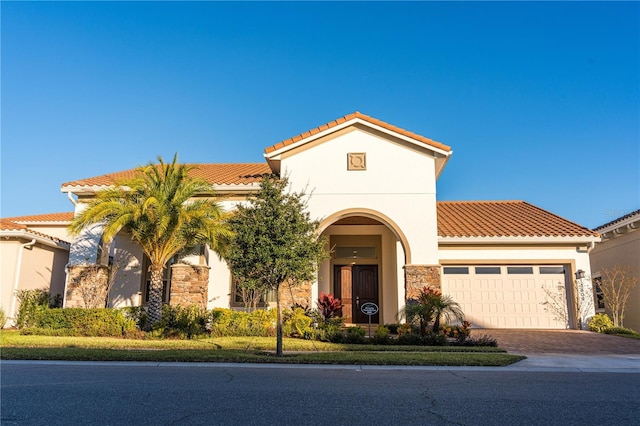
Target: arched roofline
372, 214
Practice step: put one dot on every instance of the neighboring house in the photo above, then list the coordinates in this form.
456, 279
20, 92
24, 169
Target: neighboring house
374, 191
620, 246
33, 255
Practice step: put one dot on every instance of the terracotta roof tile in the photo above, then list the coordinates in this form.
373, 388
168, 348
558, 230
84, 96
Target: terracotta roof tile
375, 121
502, 219
47, 217
9, 225
215, 174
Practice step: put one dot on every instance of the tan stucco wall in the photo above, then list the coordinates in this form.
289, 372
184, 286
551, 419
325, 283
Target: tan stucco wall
42, 267
58, 231
621, 250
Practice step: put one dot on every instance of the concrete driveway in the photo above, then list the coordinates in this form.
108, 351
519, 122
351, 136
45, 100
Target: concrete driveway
564, 342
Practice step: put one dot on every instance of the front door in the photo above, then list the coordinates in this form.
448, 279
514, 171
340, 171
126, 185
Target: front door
356, 285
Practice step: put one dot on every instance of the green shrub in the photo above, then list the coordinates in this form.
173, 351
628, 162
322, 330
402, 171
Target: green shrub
80, 322
481, 340
226, 322
381, 335
3, 318
138, 314
31, 301
295, 323
355, 335
182, 322
621, 330
410, 339
393, 328
600, 322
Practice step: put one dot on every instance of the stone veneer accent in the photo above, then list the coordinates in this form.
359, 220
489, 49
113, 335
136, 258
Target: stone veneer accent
418, 276
189, 285
300, 294
84, 275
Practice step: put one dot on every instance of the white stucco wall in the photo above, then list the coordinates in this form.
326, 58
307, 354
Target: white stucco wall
399, 182
128, 259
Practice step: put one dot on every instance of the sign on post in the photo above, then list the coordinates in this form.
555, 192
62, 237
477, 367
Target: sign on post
369, 309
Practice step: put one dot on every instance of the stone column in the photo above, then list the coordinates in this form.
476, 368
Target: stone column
418, 276
299, 295
87, 286
189, 285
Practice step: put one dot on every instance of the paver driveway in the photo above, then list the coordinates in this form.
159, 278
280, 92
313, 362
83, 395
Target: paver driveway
561, 342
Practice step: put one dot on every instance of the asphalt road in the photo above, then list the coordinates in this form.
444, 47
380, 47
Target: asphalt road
134, 394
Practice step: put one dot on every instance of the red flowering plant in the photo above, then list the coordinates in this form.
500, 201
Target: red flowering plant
329, 305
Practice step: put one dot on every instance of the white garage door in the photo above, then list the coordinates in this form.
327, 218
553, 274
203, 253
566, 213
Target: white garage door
508, 296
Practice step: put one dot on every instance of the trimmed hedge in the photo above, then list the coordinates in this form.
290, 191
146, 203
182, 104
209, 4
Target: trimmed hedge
81, 322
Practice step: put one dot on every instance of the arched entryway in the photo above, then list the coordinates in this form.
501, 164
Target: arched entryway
368, 252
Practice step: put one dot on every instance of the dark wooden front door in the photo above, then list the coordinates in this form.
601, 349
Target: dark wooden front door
355, 285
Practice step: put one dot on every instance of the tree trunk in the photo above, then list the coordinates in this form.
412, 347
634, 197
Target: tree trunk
155, 296
279, 328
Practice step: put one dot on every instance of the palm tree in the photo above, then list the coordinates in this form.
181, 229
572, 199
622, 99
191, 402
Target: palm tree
157, 209
444, 307
431, 305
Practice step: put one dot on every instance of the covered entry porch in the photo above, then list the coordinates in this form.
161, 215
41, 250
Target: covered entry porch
365, 266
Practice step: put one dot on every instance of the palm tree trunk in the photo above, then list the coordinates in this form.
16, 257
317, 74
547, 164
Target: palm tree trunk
155, 296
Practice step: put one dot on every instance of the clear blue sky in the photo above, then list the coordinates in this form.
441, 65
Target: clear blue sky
539, 101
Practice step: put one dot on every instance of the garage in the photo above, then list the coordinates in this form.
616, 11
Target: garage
509, 296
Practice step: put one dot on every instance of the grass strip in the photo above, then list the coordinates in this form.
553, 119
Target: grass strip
243, 356
12, 338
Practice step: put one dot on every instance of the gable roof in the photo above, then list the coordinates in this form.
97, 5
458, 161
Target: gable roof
463, 219
364, 118
215, 174
9, 228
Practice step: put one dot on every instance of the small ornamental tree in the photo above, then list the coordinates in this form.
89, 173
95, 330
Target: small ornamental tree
616, 284
275, 242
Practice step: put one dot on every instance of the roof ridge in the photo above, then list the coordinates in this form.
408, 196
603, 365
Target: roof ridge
558, 216
351, 116
480, 201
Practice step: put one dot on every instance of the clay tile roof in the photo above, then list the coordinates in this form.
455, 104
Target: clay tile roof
215, 174
9, 225
502, 219
361, 116
47, 217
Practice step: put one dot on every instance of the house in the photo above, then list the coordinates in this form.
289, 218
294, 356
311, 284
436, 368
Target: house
620, 246
33, 255
374, 191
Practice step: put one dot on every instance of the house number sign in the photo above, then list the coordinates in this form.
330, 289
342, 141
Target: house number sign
369, 308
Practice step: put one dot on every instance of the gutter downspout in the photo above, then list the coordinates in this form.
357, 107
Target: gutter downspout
17, 280
70, 197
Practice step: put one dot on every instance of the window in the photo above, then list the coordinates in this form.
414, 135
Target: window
519, 269
486, 270
598, 294
552, 269
457, 270
240, 295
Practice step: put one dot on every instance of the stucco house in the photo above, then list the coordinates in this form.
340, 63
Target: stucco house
620, 245
374, 190
33, 254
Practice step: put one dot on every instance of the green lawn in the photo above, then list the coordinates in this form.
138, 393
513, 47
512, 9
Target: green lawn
243, 350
